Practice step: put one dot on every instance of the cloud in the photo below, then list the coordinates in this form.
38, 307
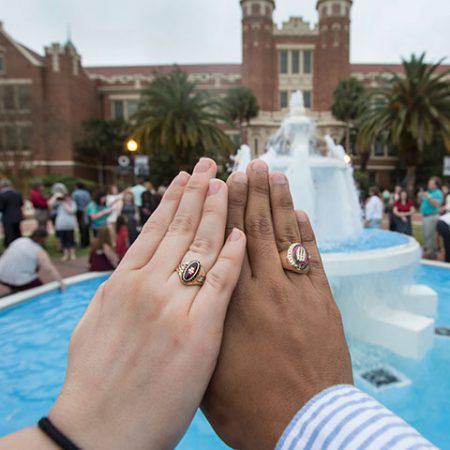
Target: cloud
189, 31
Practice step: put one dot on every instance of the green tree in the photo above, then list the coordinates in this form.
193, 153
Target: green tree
347, 106
240, 106
177, 123
102, 140
409, 112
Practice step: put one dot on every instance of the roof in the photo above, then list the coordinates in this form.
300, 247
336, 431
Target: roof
109, 71
380, 68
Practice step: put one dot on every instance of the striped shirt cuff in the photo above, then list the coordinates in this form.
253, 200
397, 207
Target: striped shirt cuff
343, 418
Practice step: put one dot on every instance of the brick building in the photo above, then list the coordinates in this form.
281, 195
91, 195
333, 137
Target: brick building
45, 98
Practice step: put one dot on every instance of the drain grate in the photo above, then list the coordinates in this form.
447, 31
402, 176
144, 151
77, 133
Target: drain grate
443, 331
384, 377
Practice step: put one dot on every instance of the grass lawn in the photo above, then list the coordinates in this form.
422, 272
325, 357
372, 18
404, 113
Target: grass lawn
418, 233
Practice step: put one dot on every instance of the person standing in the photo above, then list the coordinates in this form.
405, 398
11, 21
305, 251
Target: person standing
20, 263
403, 212
113, 201
374, 209
430, 207
82, 198
122, 241
137, 191
443, 228
98, 212
393, 199
65, 224
11, 203
40, 204
129, 211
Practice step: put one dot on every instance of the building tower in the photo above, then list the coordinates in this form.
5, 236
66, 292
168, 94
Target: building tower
332, 55
259, 58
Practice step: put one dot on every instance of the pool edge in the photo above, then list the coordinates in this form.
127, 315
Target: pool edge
20, 297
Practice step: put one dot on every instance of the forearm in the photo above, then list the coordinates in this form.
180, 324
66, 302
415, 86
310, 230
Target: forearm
344, 417
28, 438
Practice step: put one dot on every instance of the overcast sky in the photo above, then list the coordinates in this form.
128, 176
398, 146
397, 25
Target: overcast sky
125, 32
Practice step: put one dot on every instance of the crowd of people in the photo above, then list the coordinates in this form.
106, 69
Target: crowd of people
433, 204
107, 222
110, 221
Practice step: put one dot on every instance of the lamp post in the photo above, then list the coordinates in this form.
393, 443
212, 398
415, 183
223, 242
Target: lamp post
132, 147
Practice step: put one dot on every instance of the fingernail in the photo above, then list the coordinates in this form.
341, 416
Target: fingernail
278, 178
203, 165
214, 186
259, 166
301, 216
235, 235
182, 179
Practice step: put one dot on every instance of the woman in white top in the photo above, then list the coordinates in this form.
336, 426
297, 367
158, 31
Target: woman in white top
114, 202
374, 209
65, 223
22, 260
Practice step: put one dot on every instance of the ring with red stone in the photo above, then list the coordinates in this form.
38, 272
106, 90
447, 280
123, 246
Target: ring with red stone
191, 273
295, 258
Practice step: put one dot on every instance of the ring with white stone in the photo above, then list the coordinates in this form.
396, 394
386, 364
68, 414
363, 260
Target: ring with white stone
191, 273
295, 258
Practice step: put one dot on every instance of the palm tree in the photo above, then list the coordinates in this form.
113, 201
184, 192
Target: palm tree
175, 122
348, 98
240, 106
409, 111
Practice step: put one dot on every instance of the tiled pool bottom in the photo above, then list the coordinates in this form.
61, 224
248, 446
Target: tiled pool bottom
34, 338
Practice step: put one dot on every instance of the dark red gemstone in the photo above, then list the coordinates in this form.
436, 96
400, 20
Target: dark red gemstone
191, 271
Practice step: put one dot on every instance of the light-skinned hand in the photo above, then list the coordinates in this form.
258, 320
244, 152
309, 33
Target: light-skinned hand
142, 356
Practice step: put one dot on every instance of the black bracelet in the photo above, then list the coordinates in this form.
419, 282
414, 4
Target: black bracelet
55, 435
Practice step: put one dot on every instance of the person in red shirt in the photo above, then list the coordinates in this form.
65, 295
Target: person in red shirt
40, 205
403, 212
122, 239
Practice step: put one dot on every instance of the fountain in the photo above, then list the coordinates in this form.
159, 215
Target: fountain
371, 271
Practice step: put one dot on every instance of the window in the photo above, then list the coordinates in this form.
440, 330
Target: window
25, 137
307, 99
24, 96
283, 61
15, 97
132, 107
295, 61
124, 109
284, 99
11, 138
256, 146
8, 97
307, 61
378, 149
2, 64
118, 110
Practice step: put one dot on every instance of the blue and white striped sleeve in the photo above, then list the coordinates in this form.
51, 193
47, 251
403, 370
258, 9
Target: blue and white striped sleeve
345, 418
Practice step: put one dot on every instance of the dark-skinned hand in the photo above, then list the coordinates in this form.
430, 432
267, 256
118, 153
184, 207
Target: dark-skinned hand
284, 341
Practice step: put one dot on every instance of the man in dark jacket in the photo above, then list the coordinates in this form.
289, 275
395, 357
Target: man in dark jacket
11, 208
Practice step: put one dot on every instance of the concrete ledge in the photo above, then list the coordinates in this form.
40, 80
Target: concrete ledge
406, 334
420, 299
20, 297
372, 261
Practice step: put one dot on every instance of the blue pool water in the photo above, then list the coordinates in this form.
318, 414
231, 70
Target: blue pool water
33, 351
369, 239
